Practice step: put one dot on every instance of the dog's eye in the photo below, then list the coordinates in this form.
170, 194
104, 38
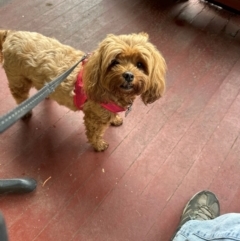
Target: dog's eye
140, 65
114, 63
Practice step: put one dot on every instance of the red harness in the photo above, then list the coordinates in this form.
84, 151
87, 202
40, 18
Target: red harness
80, 96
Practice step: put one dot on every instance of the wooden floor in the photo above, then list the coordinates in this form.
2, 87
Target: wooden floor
162, 155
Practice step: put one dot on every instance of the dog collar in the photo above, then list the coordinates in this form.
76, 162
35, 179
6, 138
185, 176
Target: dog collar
80, 96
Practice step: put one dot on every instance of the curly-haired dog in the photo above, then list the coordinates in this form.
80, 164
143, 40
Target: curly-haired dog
121, 68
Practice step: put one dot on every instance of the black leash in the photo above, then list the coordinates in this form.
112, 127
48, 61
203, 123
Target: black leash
17, 185
11, 117
3, 229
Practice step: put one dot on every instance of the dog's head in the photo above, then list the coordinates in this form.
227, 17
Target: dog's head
123, 67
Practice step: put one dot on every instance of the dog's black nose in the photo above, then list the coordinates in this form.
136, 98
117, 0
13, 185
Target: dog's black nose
128, 76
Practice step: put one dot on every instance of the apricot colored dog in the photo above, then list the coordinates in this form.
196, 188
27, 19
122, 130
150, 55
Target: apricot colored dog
120, 69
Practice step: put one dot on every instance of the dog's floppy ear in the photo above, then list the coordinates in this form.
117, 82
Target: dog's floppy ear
92, 75
156, 86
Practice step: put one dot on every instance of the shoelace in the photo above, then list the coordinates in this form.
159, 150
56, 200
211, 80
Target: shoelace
203, 212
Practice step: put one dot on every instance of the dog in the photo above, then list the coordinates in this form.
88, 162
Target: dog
120, 69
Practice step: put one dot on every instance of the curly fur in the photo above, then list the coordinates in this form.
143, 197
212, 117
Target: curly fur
31, 59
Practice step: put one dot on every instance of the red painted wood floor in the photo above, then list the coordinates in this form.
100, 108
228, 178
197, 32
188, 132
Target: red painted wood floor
162, 155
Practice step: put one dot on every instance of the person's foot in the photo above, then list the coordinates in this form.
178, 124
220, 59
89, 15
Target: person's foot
203, 205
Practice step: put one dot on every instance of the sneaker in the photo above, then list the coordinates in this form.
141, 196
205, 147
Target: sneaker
203, 205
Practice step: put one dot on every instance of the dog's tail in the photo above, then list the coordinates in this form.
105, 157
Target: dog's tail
3, 35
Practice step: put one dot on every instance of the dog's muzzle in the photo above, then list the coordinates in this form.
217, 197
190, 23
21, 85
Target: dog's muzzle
128, 77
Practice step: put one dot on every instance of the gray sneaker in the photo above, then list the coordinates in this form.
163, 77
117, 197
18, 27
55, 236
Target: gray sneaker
203, 205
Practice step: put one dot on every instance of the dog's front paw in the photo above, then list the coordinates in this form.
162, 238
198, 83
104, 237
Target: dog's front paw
101, 145
117, 121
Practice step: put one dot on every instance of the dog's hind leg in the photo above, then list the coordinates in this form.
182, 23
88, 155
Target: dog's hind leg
20, 87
